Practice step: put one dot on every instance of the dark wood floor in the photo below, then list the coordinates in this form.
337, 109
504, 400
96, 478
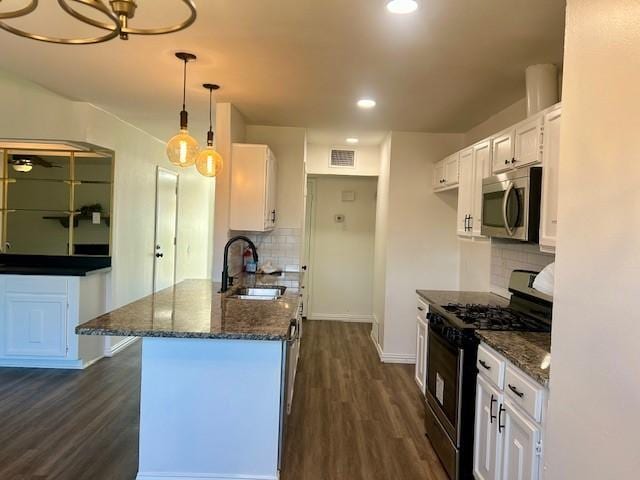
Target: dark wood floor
353, 418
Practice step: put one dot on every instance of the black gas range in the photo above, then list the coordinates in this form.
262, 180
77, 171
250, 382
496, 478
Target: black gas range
451, 364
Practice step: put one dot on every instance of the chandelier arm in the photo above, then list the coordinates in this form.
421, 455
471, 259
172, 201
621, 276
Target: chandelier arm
98, 5
20, 12
160, 30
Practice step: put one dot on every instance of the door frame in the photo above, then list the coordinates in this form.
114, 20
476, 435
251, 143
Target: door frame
156, 217
310, 235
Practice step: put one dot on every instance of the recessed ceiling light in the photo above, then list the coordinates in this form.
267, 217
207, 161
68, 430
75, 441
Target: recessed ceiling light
366, 103
402, 6
352, 140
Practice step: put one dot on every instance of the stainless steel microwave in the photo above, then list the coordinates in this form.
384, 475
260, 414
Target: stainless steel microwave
511, 205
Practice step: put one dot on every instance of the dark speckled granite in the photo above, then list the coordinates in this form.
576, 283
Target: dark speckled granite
195, 309
529, 351
444, 297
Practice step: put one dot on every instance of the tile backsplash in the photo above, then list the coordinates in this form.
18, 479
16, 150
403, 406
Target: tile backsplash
507, 256
281, 246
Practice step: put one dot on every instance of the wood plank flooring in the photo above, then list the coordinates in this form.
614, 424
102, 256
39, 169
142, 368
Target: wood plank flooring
353, 418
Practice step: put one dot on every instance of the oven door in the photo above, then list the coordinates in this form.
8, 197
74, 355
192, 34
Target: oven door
444, 376
505, 208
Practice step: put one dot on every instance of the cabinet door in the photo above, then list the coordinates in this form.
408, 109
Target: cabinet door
487, 447
438, 175
481, 170
521, 454
465, 192
528, 142
551, 158
451, 167
503, 151
421, 354
35, 325
270, 191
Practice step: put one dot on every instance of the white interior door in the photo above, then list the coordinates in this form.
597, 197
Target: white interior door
306, 256
166, 220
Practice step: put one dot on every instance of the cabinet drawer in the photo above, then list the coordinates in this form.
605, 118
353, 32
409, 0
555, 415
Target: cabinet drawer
524, 392
422, 309
491, 365
36, 284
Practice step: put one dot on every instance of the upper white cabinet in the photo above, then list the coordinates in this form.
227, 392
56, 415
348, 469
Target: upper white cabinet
446, 173
475, 165
551, 157
465, 192
528, 150
253, 188
504, 151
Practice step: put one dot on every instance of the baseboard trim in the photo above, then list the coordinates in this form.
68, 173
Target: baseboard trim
38, 363
121, 345
201, 476
392, 357
338, 317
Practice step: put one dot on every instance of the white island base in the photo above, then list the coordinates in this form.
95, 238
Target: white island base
210, 409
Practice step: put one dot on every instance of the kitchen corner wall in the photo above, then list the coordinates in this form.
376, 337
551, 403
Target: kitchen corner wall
282, 245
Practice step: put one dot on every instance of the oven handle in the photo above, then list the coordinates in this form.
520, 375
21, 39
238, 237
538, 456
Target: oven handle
505, 204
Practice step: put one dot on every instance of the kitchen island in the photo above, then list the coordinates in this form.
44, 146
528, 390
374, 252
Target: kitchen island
217, 377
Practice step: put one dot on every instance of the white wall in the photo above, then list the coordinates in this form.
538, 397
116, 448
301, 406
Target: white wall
367, 160
592, 428
380, 247
342, 253
30, 111
421, 243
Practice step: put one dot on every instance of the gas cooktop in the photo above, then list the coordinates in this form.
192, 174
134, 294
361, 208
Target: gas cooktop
490, 317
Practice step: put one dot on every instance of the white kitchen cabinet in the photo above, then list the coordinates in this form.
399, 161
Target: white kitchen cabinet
466, 192
522, 447
528, 146
487, 450
503, 149
481, 170
38, 316
509, 420
253, 188
475, 165
446, 172
422, 332
551, 160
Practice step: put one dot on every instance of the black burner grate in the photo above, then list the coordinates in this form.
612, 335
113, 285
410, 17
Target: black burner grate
490, 317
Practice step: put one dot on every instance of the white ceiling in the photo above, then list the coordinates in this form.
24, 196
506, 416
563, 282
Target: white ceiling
305, 62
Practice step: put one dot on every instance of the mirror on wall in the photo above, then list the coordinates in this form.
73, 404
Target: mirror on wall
56, 201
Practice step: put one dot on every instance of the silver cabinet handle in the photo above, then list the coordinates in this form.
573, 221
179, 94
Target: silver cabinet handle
505, 204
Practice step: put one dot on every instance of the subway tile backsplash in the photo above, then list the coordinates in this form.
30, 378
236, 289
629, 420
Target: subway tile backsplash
508, 256
281, 246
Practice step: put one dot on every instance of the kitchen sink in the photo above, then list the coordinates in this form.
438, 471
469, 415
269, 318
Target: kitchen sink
259, 293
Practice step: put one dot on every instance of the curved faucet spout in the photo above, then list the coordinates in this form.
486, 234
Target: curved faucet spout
225, 263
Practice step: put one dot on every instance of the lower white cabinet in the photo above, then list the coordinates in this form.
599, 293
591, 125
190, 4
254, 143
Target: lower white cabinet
487, 451
522, 446
38, 316
508, 440
422, 331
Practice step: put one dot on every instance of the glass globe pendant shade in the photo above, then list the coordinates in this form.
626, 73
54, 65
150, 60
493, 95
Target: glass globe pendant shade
209, 162
182, 149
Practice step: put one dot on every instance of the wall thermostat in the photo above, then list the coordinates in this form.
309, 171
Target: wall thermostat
348, 196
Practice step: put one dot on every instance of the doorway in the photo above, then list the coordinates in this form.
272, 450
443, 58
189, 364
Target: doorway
164, 259
341, 224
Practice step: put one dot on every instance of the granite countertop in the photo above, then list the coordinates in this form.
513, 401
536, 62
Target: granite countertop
195, 309
444, 297
53, 265
529, 351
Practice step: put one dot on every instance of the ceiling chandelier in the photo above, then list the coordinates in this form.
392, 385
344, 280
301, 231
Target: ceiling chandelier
118, 14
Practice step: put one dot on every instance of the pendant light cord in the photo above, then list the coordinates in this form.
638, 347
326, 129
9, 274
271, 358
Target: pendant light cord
184, 85
210, 102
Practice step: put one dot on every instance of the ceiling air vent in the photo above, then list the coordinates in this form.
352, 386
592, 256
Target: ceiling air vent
342, 158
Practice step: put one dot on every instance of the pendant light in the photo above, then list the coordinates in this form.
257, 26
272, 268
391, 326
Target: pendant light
209, 161
182, 149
